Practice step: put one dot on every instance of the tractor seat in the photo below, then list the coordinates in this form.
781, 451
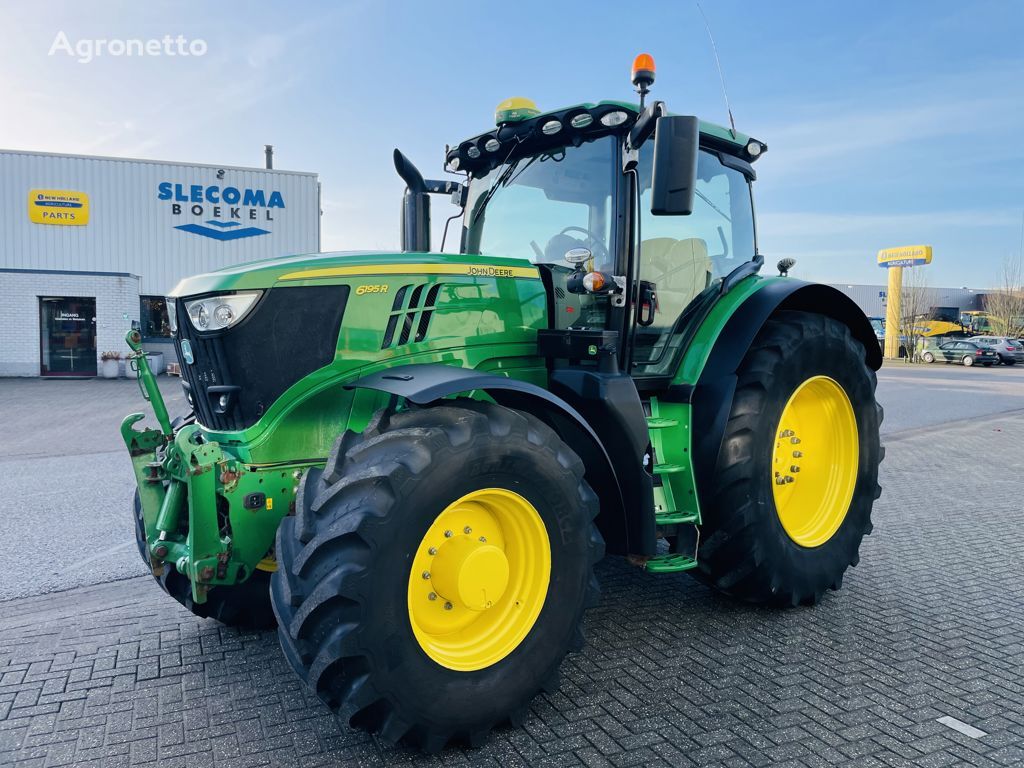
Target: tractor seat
680, 269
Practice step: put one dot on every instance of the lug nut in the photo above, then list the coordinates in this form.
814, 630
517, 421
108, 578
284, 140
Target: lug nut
447, 606
432, 551
780, 481
426, 575
795, 441
483, 539
467, 530
794, 468
432, 596
786, 433
789, 479
798, 454
447, 534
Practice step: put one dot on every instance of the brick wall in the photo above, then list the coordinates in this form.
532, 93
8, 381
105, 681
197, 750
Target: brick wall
19, 312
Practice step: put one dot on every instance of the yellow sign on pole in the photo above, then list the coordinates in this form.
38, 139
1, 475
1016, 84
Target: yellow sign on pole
905, 256
895, 259
58, 206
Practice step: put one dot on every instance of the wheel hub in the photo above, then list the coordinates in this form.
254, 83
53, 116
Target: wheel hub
815, 461
479, 579
469, 573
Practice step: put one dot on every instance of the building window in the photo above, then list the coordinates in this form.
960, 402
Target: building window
153, 311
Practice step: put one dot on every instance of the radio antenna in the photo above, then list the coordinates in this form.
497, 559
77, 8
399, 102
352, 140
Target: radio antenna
718, 63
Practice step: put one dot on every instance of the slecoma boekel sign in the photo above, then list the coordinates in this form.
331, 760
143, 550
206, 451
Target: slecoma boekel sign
226, 212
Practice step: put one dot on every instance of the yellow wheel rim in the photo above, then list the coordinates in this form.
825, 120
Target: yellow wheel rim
479, 579
814, 462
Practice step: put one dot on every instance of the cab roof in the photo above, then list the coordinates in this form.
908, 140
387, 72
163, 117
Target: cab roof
491, 148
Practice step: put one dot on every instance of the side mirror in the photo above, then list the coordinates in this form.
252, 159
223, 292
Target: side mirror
676, 141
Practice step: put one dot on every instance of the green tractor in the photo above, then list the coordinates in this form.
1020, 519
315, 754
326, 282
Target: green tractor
411, 462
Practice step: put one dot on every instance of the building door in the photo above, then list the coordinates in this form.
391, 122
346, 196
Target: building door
68, 336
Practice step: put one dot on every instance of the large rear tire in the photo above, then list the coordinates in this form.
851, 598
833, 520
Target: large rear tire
245, 605
797, 473
373, 614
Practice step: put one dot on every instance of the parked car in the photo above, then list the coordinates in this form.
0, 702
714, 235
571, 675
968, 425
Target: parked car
964, 352
1010, 351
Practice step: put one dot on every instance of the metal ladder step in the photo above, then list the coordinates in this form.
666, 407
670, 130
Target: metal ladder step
656, 422
671, 563
675, 518
668, 469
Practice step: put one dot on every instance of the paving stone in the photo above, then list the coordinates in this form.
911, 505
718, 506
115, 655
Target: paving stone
931, 623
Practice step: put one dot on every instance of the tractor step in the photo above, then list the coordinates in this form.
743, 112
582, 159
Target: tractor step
671, 563
676, 518
668, 469
656, 422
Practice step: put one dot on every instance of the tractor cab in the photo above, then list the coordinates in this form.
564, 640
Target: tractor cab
635, 218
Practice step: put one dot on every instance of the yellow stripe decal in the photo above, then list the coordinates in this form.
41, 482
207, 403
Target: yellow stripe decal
369, 270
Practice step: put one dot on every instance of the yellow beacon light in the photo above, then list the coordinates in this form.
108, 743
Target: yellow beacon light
515, 109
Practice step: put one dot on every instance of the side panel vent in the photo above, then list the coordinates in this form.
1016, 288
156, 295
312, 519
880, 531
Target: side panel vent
412, 309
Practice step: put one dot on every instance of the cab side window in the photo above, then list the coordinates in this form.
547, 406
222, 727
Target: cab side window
681, 256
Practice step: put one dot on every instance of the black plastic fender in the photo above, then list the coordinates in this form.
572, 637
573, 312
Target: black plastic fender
713, 393
427, 383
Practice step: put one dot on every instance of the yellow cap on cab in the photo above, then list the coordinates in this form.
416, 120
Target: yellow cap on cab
515, 109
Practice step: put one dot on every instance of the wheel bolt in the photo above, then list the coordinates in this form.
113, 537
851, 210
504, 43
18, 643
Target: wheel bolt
447, 534
786, 433
794, 468
432, 551
426, 575
789, 479
467, 529
780, 481
447, 606
795, 441
483, 539
798, 454
432, 596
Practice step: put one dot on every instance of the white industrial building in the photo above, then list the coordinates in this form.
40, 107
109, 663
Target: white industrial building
90, 245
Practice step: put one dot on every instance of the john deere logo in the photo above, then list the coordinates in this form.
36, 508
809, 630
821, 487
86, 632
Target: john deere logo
224, 213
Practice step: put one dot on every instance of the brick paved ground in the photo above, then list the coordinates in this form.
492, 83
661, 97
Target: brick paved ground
930, 624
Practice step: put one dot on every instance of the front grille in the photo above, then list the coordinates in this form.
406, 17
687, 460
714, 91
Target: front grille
290, 333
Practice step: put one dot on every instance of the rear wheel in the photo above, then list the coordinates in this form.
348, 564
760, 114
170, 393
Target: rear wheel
246, 604
968, 361
436, 571
928, 357
797, 472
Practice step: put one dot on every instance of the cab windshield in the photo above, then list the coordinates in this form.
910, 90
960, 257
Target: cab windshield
539, 207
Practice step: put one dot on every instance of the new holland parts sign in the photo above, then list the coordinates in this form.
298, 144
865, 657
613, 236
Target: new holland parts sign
221, 212
58, 206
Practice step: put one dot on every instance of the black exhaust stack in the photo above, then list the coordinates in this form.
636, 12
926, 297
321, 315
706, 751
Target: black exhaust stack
415, 207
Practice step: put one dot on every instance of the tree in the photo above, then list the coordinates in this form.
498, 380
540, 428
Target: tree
1005, 305
917, 298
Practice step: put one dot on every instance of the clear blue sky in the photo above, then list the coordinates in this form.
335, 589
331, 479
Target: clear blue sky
888, 123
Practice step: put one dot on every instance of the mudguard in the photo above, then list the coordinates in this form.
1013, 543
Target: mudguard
423, 384
713, 391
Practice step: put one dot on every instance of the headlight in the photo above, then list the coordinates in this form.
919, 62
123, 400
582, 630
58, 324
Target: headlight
215, 313
172, 314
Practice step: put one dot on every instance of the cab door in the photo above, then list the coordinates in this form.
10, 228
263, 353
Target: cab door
682, 257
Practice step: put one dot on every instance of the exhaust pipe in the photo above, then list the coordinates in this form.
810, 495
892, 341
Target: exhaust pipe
415, 207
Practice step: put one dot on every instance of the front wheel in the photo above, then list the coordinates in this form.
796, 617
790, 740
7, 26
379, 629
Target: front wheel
968, 361
797, 473
436, 571
928, 357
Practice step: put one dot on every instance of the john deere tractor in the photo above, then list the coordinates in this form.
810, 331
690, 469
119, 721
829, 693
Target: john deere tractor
411, 462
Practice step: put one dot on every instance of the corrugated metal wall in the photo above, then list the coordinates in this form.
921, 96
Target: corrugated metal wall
871, 298
131, 230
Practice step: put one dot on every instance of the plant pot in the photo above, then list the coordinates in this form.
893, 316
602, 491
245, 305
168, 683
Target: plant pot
109, 369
